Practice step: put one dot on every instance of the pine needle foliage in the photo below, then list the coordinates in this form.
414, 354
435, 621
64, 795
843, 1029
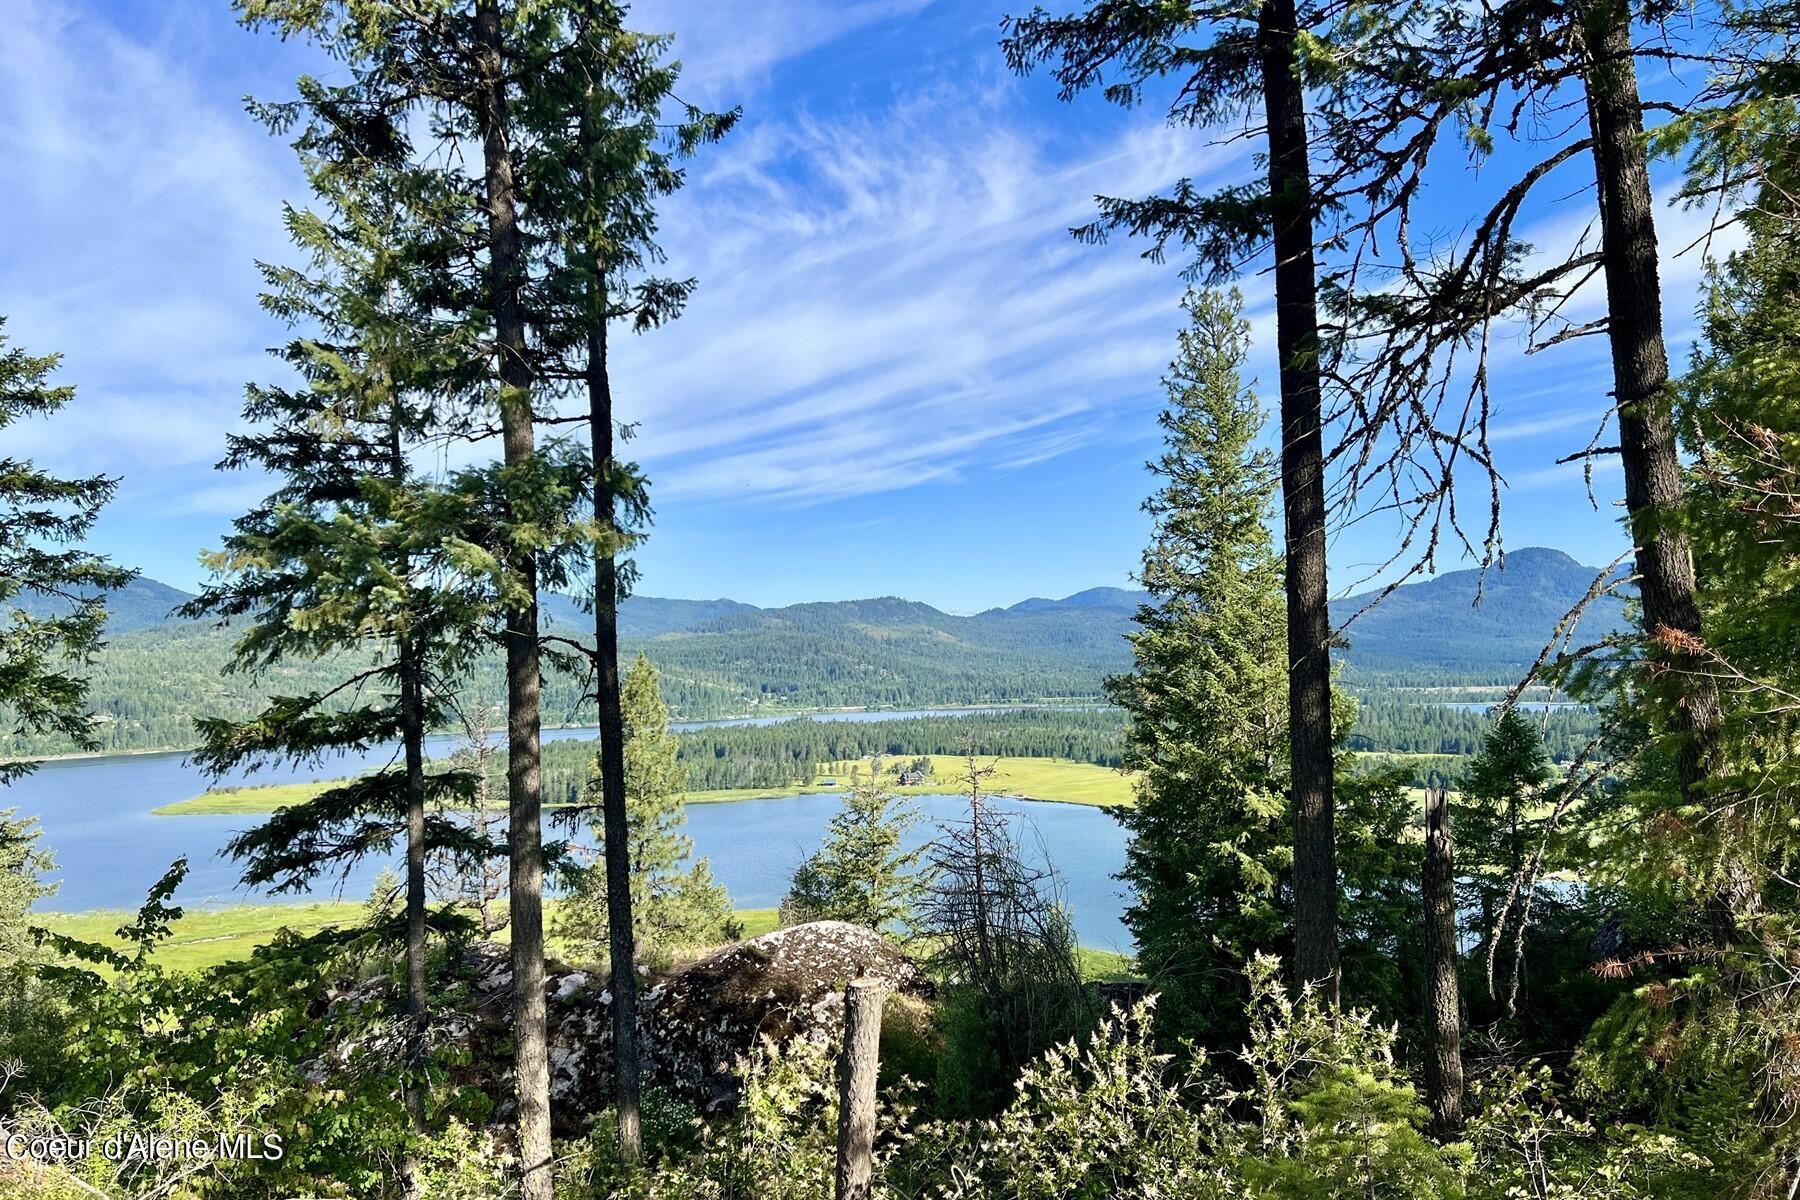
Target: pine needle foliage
1207, 699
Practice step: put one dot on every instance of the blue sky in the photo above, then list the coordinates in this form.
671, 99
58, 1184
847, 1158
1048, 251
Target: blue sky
900, 374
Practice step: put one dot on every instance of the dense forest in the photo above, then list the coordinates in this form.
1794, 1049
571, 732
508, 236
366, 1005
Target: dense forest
747, 756
780, 754
1557, 958
153, 677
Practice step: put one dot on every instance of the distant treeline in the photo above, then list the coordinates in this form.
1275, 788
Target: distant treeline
786, 752
1405, 728
148, 686
753, 756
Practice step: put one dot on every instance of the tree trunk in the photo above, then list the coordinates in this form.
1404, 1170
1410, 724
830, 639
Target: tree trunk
1667, 586
622, 943
1647, 446
1443, 999
413, 739
857, 1069
524, 783
1303, 503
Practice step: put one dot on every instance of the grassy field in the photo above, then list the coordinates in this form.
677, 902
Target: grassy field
264, 799
208, 937
1055, 780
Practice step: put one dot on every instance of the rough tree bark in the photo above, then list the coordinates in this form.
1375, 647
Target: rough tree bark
1647, 445
412, 710
1303, 504
857, 1069
1443, 998
412, 742
524, 783
622, 944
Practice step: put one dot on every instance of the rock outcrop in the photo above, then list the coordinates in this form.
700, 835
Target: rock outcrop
699, 1023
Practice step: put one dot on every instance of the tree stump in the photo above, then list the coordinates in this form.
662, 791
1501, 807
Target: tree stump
857, 1067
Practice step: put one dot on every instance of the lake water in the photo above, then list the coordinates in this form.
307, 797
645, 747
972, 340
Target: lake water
97, 820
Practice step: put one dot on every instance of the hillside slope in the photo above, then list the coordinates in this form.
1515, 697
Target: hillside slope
140, 604
724, 658
1436, 625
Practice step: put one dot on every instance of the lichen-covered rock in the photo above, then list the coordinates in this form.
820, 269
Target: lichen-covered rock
698, 1024
701, 1022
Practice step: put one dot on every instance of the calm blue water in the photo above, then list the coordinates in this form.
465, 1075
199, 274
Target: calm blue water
96, 819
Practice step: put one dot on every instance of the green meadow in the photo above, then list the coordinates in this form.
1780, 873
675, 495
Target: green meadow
1053, 780
205, 938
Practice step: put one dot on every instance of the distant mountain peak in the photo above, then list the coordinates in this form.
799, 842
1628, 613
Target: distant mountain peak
1435, 620
1542, 555
1116, 598
140, 604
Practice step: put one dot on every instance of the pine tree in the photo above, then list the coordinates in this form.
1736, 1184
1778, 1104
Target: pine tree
1533, 932
1208, 856
496, 58
43, 520
23, 865
671, 907
1741, 407
43, 662
1497, 821
1721, 872
607, 159
353, 554
1235, 62
461, 76
862, 873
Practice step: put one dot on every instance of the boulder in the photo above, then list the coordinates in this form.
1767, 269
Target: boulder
698, 1024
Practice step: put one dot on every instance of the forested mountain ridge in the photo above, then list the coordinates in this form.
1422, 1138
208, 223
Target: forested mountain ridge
1121, 599
1435, 623
725, 658
140, 604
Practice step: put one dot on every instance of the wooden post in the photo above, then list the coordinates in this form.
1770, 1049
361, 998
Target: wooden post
856, 1086
1443, 1000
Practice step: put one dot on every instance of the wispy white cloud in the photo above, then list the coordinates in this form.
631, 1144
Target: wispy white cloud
139, 200
1581, 417
891, 299
726, 48
1569, 475
889, 295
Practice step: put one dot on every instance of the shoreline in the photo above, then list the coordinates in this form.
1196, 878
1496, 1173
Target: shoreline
798, 714
1033, 780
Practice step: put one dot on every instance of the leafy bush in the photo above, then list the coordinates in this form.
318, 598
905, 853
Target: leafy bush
1325, 1113
780, 1144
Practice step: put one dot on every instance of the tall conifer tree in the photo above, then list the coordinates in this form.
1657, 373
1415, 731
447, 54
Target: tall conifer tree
496, 53
352, 556
1208, 860
453, 72
1236, 62
606, 160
